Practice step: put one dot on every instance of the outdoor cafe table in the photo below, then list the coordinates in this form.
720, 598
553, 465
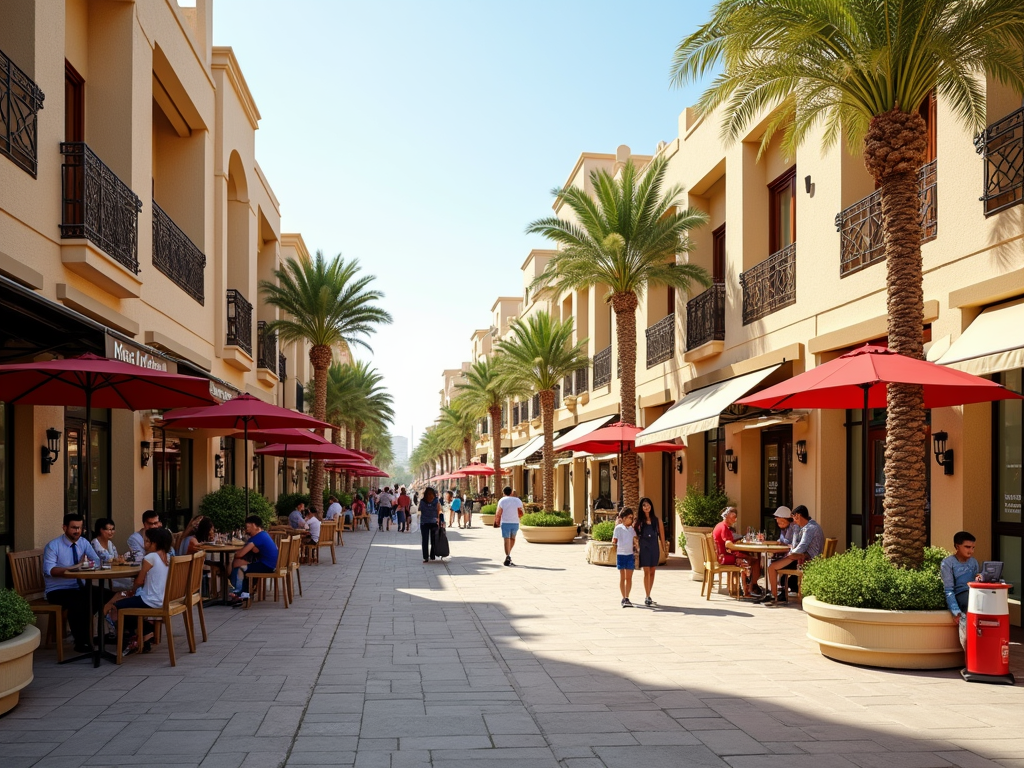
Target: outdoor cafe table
224, 551
765, 548
108, 574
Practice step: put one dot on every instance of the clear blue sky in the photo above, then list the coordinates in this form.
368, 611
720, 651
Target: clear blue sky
422, 137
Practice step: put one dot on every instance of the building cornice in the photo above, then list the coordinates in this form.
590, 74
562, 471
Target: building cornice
224, 58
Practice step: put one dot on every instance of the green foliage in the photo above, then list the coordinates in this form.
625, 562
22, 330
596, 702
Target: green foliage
603, 531
489, 509
682, 541
532, 508
15, 614
345, 499
702, 510
287, 502
864, 578
546, 520
226, 508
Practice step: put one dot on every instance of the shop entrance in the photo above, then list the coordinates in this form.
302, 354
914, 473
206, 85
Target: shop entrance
776, 473
74, 457
668, 499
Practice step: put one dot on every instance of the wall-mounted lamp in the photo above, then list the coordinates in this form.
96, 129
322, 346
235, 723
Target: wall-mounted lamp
295, 477
679, 464
943, 457
615, 471
640, 463
51, 450
145, 453
570, 475
808, 186
218, 466
280, 466
732, 461
255, 463
588, 473
801, 451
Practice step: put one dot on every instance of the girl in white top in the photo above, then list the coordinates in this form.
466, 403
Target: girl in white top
624, 540
150, 584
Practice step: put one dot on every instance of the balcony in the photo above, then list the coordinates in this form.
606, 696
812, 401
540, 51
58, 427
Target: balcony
603, 367
282, 366
177, 256
567, 385
580, 385
1002, 145
266, 353
20, 102
770, 285
535, 406
239, 316
705, 318
860, 226
661, 340
515, 414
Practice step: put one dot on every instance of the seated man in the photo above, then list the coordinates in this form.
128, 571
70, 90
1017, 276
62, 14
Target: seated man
810, 544
137, 541
724, 536
263, 553
313, 524
60, 554
333, 508
957, 571
297, 519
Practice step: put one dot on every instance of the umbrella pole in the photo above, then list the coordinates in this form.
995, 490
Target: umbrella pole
85, 471
245, 431
866, 447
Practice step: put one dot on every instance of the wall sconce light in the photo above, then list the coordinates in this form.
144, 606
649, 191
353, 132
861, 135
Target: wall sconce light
808, 186
570, 475
588, 473
218, 466
732, 461
51, 450
615, 471
679, 464
295, 478
144, 453
943, 457
280, 466
640, 463
255, 463
801, 451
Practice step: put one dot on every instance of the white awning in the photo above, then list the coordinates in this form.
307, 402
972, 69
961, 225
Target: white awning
580, 430
993, 342
699, 411
523, 452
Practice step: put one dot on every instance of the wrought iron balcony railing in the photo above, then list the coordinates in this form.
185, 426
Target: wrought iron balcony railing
515, 414
661, 340
266, 346
535, 406
860, 225
705, 317
282, 366
177, 256
20, 102
239, 321
770, 285
1002, 145
603, 367
99, 206
580, 385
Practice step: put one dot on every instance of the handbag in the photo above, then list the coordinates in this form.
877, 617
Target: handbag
441, 548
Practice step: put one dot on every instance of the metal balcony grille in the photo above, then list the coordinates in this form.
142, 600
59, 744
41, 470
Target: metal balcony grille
266, 346
99, 206
515, 414
567, 383
705, 317
282, 366
20, 102
177, 256
239, 321
603, 367
770, 285
580, 386
1002, 145
860, 226
661, 340
535, 409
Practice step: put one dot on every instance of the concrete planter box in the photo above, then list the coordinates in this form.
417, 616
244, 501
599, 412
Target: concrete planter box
694, 553
548, 534
890, 639
486, 520
16, 666
603, 553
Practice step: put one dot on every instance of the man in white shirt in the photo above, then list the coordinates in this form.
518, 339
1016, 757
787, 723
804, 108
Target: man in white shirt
333, 509
137, 541
510, 509
313, 524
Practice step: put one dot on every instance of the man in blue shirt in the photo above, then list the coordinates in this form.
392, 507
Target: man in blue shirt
71, 594
263, 551
809, 544
297, 519
957, 570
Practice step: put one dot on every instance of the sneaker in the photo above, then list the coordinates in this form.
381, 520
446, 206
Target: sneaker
763, 597
623, 602
648, 601
766, 599
626, 603
508, 561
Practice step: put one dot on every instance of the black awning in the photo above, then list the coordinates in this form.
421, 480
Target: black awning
32, 325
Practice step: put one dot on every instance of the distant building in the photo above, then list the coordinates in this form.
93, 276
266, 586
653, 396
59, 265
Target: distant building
400, 447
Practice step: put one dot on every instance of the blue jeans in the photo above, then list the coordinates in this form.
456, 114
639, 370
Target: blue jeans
239, 573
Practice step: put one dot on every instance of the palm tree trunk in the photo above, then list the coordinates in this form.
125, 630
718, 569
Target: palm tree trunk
625, 305
495, 414
547, 414
320, 360
895, 149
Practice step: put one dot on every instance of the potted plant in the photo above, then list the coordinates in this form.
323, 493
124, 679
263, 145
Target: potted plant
600, 550
226, 508
487, 512
699, 513
18, 640
862, 609
548, 528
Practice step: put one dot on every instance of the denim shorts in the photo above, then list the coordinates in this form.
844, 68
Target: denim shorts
625, 562
509, 530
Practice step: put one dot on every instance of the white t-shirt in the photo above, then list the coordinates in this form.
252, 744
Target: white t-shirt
509, 508
624, 536
333, 511
314, 528
152, 592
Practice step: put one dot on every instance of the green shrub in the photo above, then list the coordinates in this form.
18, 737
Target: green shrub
864, 578
226, 508
702, 510
489, 509
15, 614
682, 541
287, 502
603, 531
345, 499
546, 519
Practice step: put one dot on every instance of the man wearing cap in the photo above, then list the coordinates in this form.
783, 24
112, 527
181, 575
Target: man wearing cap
810, 543
789, 534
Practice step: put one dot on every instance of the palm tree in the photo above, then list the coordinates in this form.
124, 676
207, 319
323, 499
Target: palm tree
485, 390
861, 68
627, 238
356, 400
537, 354
324, 304
459, 422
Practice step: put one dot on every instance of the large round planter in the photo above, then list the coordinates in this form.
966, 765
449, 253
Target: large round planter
16, 666
890, 639
600, 553
486, 520
548, 534
694, 552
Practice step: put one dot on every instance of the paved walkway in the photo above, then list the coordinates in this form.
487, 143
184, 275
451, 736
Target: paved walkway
390, 663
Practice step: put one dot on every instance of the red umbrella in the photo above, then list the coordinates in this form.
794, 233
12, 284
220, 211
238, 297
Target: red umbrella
98, 382
323, 451
289, 435
858, 379
475, 469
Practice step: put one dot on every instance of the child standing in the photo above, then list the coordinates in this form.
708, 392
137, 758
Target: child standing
624, 540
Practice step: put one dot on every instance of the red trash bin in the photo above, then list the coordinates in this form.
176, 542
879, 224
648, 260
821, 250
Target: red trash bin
988, 634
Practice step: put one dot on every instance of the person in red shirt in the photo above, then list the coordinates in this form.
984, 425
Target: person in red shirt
403, 503
724, 536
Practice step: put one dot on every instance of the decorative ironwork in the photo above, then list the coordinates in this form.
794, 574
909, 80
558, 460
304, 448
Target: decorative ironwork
661, 340
770, 285
266, 346
20, 102
1002, 144
99, 206
483, 425
535, 409
177, 256
282, 366
603, 367
515, 414
860, 226
239, 321
567, 385
705, 317
581, 385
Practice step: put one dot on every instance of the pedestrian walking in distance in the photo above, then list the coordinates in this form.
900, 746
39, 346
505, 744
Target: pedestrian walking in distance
651, 537
510, 509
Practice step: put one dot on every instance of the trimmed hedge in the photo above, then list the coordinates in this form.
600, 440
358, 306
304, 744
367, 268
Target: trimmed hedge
287, 502
15, 614
489, 509
546, 519
603, 531
226, 508
702, 510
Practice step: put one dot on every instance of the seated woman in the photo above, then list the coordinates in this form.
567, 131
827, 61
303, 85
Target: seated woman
724, 536
198, 532
106, 552
148, 591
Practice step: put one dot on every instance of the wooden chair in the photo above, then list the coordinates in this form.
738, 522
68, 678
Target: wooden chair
176, 594
293, 568
27, 577
713, 568
798, 570
311, 550
279, 576
347, 525
339, 526
195, 598
364, 519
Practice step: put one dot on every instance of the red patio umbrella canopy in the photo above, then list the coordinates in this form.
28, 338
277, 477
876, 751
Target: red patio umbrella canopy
325, 450
618, 437
291, 436
474, 469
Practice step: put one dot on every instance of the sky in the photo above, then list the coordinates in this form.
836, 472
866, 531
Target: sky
422, 137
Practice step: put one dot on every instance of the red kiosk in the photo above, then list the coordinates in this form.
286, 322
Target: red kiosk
988, 634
